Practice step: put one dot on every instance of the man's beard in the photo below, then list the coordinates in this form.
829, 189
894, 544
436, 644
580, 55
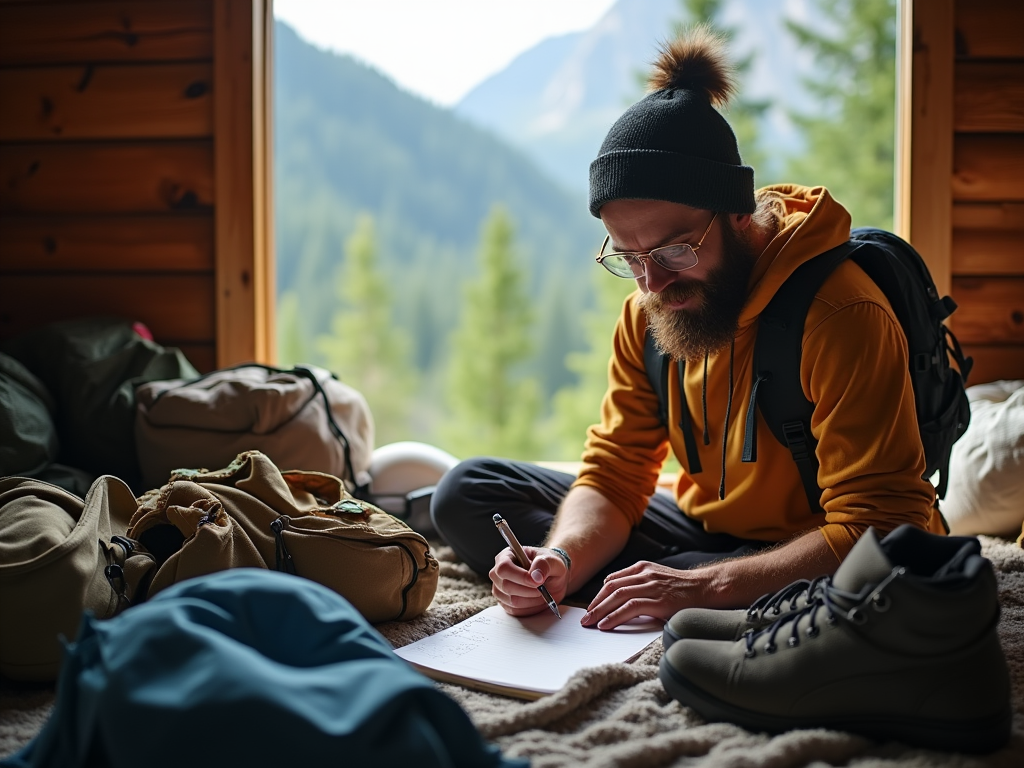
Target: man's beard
690, 334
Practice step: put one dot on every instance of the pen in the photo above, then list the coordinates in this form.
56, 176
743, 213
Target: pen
524, 561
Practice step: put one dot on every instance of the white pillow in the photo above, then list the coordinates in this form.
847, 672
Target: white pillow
986, 467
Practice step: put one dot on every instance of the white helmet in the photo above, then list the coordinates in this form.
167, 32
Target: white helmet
402, 477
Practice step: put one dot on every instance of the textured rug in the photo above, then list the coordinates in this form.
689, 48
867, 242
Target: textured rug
619, 714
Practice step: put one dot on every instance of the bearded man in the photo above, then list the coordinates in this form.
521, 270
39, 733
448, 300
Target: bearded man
707, 254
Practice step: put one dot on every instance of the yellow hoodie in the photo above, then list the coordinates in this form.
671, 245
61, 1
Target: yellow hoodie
854, 369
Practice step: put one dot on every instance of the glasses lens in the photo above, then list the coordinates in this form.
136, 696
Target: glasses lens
623, 266
675, 258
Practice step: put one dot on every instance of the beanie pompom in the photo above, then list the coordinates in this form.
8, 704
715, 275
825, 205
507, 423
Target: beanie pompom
696, 61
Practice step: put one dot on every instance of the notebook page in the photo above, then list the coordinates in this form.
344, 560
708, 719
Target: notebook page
538, 653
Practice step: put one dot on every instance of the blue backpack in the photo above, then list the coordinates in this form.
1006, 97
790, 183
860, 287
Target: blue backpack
248, 667
943, 411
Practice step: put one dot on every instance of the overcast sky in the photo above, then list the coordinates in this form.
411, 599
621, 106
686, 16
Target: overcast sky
438, 49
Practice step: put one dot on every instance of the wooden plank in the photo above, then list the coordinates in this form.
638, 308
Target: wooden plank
989, 96
106, 102
170, 242
990, 29
988, 215
143, 30
991, 310
263, 186
106, 178
988, 167
931, 163
988, 252
172, 306
995, 362
241, 111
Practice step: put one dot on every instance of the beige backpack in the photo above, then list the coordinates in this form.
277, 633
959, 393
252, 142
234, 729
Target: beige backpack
251, 514
301, 417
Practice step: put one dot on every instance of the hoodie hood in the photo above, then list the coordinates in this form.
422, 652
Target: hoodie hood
814, 223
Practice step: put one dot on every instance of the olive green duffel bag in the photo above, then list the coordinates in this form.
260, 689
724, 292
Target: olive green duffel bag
55, 549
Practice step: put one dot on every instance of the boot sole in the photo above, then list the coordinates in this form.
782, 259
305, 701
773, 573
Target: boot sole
979, 736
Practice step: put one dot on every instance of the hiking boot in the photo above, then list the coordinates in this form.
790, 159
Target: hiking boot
718, 624
901, 644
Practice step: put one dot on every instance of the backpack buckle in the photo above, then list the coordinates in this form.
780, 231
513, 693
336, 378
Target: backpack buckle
796, 439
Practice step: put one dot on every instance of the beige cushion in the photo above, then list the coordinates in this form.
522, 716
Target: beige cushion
986, 469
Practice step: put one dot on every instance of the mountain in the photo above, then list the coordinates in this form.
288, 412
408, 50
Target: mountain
557, 100
348, 140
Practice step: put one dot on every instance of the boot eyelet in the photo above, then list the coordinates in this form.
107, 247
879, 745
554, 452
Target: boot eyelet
881, 603
813, 631
793, 641
831, 620
857, 616
750, 653
770, 648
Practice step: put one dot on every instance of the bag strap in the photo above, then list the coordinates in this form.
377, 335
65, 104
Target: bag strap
776, 389
657, 365
360, 491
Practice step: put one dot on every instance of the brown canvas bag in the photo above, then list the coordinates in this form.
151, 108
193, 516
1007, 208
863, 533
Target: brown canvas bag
55, 550
250, 514
303, 417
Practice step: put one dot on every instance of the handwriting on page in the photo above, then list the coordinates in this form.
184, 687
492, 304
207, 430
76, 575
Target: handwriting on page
538, 653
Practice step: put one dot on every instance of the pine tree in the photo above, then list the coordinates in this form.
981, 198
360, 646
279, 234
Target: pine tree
364, 348
493, 408
851, 136
578, 406
291, 346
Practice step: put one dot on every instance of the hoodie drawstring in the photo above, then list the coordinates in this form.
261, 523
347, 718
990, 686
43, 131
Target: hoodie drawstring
728, 413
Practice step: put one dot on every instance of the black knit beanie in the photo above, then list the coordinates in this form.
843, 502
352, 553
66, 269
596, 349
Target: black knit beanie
673, 144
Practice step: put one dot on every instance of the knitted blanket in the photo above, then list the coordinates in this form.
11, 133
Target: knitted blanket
619, 714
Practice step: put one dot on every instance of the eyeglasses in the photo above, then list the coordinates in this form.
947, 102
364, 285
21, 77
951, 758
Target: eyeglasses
674, 258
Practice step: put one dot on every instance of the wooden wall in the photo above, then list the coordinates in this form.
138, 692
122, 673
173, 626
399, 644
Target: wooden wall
966, 175
134, 170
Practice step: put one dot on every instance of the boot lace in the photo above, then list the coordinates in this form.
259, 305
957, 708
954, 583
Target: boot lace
829, 598
786, 599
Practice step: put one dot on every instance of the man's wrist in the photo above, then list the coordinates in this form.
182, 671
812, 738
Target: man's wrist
565, 557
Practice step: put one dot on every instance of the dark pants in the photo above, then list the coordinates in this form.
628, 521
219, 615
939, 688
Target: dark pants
527, 496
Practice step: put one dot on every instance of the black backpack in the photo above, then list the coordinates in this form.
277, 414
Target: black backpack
943, 411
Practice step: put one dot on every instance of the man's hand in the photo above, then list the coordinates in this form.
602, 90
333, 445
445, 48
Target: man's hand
515, 588
649, 589
646, 589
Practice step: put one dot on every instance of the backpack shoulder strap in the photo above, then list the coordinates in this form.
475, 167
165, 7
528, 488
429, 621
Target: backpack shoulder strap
657, 365
657, 374
776, 389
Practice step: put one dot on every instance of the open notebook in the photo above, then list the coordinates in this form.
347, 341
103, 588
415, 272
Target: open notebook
527, 658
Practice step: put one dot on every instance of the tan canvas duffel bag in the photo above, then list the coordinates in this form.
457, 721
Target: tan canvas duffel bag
250, 514
302, 417
55, 554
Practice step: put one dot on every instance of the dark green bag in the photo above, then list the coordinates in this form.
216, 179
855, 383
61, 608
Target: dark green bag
91, 367
28, 436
